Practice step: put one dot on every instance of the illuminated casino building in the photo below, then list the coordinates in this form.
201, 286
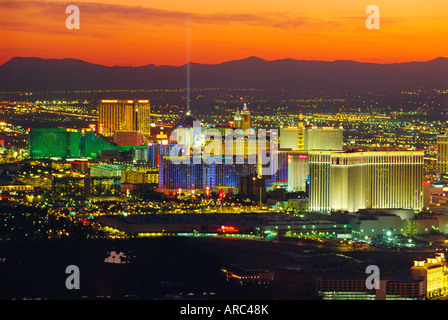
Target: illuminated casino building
302, 137
293, 169
429, 280
350, 181
155, 151
323, 138
298, 171
442, 154
128, 138
245, 117
66, 143
186, 121
111, 170
193, 176
293, 159
228, 175
219, 142
140, 155
293, 137
434, 272
242, 118
298, 163
127, 115
186, 132
174, 176
333, 288
237, 120
289, 137
280, 177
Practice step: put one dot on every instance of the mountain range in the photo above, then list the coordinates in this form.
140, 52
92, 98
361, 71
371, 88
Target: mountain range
37, 74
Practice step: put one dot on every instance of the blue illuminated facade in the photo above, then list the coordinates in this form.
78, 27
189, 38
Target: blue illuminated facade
173, 176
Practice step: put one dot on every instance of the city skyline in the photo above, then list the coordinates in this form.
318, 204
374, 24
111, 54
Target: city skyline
223, 151
176, 32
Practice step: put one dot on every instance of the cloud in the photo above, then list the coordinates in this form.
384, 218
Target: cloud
121, 14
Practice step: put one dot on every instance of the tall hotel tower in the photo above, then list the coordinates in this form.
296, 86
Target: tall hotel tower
242, 119
245, 117
442, 154
344, 181
298, 166
124, 115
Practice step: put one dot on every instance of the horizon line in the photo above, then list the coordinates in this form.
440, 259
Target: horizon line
227, 61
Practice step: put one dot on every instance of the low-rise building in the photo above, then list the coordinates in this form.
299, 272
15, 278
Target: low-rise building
356, 289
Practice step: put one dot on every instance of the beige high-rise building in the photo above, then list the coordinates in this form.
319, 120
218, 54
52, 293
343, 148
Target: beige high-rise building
311, 138
434, 271
124, 115
298, 170
242, 119
323, 138
245, 118
300, 138
289, 137
342, 181
442, 154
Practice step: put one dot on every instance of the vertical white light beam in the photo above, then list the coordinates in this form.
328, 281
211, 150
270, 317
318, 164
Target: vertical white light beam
188, 54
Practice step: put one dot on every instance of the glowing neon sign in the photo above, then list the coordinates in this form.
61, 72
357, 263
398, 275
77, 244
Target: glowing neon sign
227, 229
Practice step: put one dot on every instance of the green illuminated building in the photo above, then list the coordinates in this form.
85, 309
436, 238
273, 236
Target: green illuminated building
67, 143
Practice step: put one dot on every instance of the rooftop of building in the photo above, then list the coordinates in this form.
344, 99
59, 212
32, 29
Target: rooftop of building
186, 121
111, 167
123, 101
369, 215
355, 152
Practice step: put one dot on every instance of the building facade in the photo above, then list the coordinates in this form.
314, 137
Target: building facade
289, 137
66, 143
188, 175
242, 119
434, 273
323, 138
442, 154
356, 289
344, 181
124, 115
298, 171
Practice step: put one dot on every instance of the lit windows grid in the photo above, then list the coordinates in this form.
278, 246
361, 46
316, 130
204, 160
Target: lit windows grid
355, 289
202, 175
124, 115
442, 154
353, 181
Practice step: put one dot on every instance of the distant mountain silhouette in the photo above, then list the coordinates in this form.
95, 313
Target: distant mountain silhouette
22, 73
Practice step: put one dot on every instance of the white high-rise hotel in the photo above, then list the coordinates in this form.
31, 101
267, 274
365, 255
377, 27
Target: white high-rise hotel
365, 180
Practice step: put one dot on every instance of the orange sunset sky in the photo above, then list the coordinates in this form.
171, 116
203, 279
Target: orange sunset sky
172, 32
